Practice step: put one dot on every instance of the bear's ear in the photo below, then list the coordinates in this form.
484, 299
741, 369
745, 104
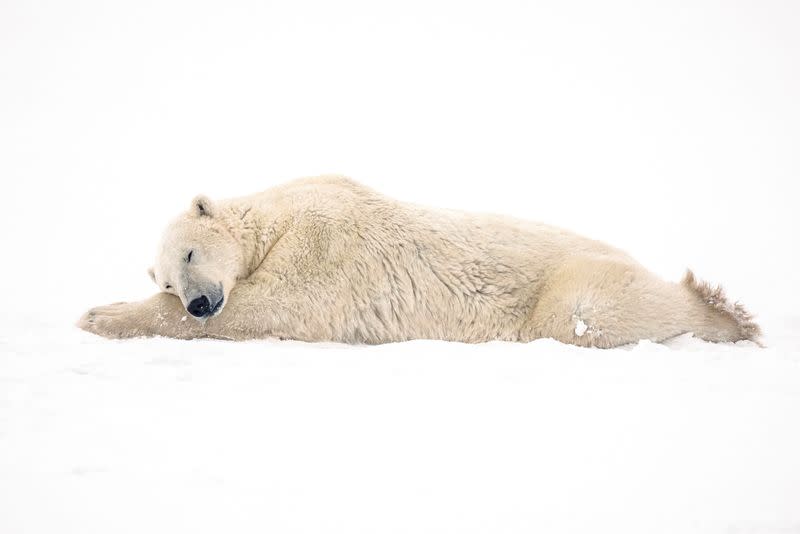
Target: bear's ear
152, 274
202, 206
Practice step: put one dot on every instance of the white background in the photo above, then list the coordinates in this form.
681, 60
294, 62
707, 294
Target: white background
669, 129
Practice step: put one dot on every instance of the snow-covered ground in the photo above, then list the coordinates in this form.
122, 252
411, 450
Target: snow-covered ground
209, 436
668, 129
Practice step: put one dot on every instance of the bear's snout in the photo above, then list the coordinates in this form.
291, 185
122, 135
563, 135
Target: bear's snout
199, 307
204, 299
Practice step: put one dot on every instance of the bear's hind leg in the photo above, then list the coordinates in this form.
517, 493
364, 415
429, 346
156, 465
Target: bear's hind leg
599, 302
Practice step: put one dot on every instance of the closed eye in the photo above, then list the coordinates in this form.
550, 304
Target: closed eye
167, 286
189, 256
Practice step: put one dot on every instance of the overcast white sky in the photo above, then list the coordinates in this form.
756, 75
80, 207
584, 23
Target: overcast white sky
670, 129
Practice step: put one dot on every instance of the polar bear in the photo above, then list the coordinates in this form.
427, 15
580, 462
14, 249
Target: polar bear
328, 259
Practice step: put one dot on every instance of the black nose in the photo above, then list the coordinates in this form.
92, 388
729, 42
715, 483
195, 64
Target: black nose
199, 307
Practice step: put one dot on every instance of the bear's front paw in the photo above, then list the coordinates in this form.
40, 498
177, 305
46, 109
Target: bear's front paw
115, 321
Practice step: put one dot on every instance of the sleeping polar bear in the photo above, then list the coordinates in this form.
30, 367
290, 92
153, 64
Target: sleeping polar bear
327, 259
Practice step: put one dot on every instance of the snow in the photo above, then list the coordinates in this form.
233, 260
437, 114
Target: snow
670, 131
580, 328
209, 436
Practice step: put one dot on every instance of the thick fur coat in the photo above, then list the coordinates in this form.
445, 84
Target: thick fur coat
327, 259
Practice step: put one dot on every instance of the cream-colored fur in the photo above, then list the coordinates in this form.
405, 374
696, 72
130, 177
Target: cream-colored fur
327, 259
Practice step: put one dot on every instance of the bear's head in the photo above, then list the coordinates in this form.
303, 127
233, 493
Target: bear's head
198, 260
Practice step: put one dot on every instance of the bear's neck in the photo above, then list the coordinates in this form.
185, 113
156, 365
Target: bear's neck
256, 230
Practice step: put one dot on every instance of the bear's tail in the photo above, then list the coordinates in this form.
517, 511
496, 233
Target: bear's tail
716, 318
